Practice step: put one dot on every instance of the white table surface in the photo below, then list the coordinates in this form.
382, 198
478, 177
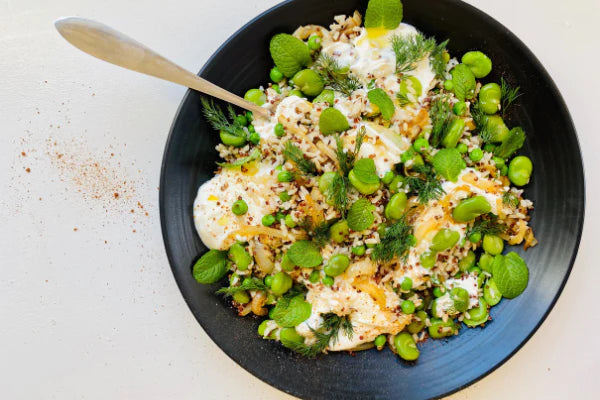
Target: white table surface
88, 304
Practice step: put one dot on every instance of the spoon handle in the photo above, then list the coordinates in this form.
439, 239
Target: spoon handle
107, 44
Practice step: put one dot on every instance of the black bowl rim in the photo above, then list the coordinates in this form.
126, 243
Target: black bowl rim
582, 204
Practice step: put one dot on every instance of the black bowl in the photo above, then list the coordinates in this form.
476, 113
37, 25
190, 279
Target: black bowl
557, 188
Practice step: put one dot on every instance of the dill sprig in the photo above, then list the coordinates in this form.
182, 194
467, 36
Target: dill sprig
346, 159
410, 50
487, 224
335, 76
250, 284
481, 122
328, 332
395, 242
338, 193
510, 199
293, 153
216, 118
436, 58
441, 116
403, 99
318, 231
508, 95
425, 184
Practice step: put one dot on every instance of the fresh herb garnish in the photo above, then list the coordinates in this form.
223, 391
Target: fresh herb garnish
254, 155
425, 184
211, 267
514, 141
441, 116
293, 153
291, 309
335, 76
410, 50
365, 171
448, 163
247, 284
395, 242
360, 215
510, 199
436, 58
508, 95
463, 81
338, 193
383, 13
327, 333
403, 99
304, 254
381, 99
487, 224
346, 159
216, 118
481, 122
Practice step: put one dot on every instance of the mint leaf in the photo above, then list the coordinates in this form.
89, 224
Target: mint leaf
448, 163
254, 155
364, 171
290, 312
514, 141
511, 275
380, 98
304, 254
289, 53
332, 121
360, 215
464, 82
383, 13
211, 267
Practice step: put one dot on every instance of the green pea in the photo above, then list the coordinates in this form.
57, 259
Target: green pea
289, 221
476, 155
499, 161
284, 196
241, 119
295, 92
428, 259
448, 85
477, 316
289, 337
285, 176
232, 140
314, 42
275, 75
239, 207
462, 148
363, 188
467, 262
411, 88
359, 250
474, 269
493, 244
485, 262
420, 145
471, 208
489, 98
395, 208
396, 184
249, 116
497, 129
491, 293
503, 170
309, 82
268, 220
407, 155
256, 96
326, 96
408, 307
281, 283
438, 291
240, 257
460, 108
328, 281
287, 264
519, 170
460, 297
478, 63
241, 297
453, 133
268, 280
444, 239
339, 231
417, 326
337, 265
380, 341
406, 284
254, 138
475, 237
279, 130
406, 346
388, 177
314, 276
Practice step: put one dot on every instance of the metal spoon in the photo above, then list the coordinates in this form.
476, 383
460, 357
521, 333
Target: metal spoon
107, 44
